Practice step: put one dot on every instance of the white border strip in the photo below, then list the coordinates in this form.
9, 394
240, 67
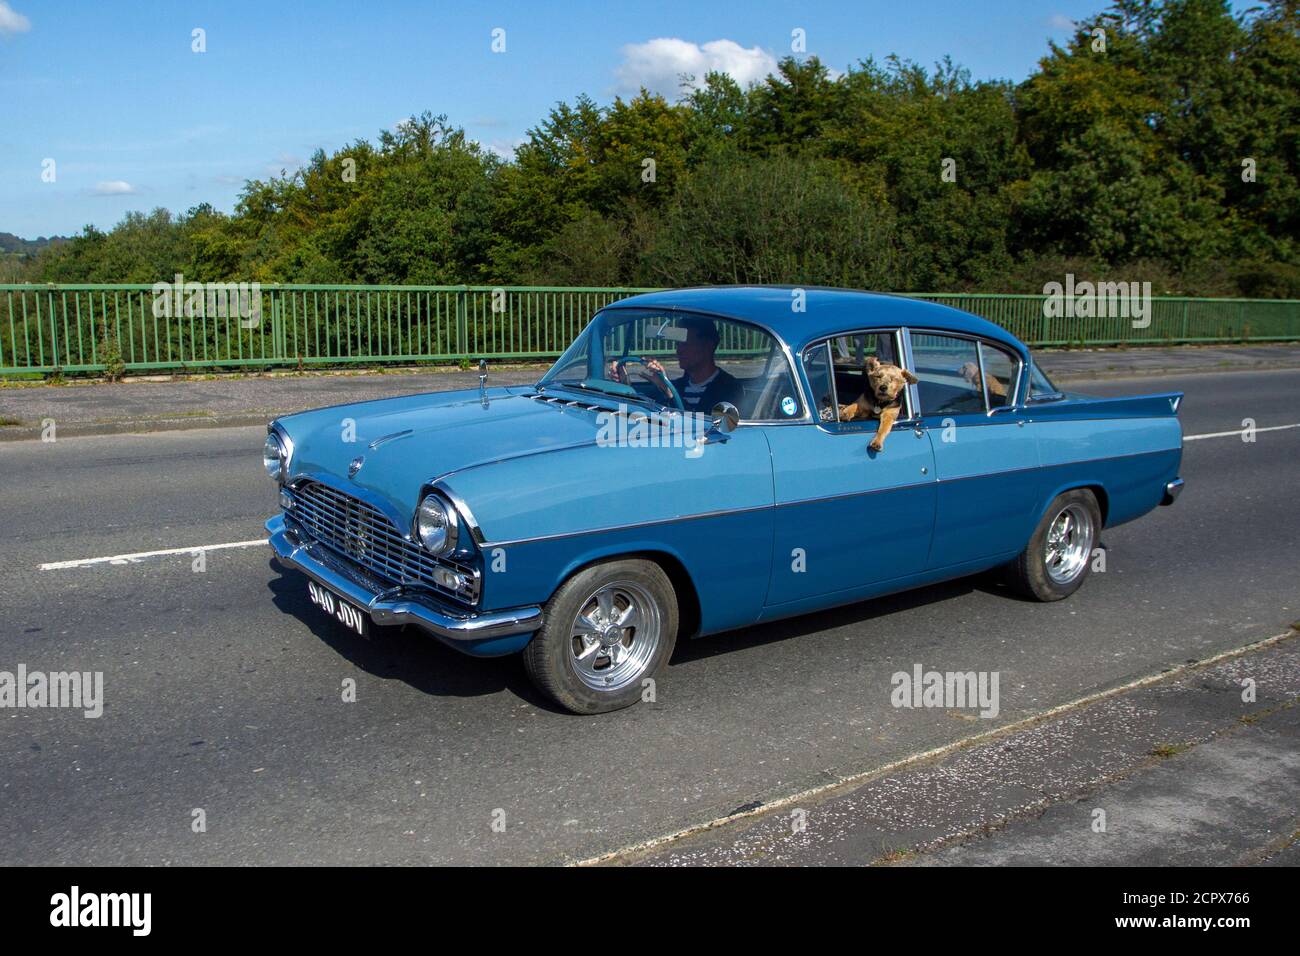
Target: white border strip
942, 751
132, 558
1239, 432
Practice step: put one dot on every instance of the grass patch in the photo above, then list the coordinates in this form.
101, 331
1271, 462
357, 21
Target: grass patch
897, 856
7, 422
1170, 750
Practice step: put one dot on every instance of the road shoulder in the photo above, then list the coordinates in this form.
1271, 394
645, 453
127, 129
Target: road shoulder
1179, 770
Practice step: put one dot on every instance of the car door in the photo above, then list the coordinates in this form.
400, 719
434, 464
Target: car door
847, 518
986, 461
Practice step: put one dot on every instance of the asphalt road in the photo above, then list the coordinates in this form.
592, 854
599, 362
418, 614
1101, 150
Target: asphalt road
223, 689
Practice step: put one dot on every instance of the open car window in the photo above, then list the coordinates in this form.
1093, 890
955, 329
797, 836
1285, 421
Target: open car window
837, 369
850, 354
707, 359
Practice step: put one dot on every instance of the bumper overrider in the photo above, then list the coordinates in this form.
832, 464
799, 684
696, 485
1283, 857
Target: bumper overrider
483, 634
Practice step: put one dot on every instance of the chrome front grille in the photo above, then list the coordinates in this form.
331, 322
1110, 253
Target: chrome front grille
363, 534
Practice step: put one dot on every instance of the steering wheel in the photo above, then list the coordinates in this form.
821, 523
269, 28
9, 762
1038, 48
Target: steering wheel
620, 367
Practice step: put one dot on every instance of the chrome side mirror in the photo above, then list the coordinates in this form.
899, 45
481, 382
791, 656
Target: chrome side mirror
725, 419
725, 416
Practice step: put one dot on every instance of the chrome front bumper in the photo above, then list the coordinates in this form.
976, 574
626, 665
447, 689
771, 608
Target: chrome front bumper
392, 606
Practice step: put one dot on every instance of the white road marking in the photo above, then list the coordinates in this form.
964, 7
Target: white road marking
850, 780
1238, 433
137, 556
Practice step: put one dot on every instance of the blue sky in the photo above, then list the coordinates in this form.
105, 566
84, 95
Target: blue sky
112, 92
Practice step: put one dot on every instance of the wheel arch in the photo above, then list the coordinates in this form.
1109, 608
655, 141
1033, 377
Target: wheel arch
688, 598
1094, 485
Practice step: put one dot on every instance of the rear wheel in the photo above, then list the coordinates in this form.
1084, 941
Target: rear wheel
608, 629
1059, 555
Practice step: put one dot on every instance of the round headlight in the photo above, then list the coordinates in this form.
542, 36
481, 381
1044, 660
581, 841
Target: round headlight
273, 456
435, 523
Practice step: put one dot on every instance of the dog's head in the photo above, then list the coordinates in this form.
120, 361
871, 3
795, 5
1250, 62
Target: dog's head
971, 373
885, 383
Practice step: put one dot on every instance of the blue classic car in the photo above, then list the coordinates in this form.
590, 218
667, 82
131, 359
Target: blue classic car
706, 459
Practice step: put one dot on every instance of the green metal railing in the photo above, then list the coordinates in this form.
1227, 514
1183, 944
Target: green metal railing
51, 328
1174, 320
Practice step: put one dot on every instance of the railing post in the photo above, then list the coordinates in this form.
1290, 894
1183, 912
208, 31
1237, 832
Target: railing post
462, 321
277, 327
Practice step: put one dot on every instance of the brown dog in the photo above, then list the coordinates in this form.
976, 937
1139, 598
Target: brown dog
882, 400
971, 373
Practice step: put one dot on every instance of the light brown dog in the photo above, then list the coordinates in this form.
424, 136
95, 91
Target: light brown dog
971, 373
882, 399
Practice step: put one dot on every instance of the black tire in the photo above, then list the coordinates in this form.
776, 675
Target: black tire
1033, 575
551, 658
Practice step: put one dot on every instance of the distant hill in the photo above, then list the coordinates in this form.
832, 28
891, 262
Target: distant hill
26, 247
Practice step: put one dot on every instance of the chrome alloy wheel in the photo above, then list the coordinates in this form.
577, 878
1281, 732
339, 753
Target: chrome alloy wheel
1069, 544
615, 636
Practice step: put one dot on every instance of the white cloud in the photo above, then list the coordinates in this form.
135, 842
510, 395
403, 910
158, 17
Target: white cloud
1059, 21
505, 148
115, 187
286, 163
11, 21
658, 64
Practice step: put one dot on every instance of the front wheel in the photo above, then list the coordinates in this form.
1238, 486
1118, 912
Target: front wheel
1059, 555
607, 630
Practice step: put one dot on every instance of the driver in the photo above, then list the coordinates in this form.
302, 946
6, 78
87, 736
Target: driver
703, 383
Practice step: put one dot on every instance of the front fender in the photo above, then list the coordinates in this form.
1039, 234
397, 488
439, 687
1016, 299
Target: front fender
544, 517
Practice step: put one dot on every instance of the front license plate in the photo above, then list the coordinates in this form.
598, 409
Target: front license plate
350, 617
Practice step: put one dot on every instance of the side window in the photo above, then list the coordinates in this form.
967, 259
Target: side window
849, 354
948, 369
837, 368
1000, 368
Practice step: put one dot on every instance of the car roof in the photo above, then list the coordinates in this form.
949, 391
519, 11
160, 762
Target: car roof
826, 311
